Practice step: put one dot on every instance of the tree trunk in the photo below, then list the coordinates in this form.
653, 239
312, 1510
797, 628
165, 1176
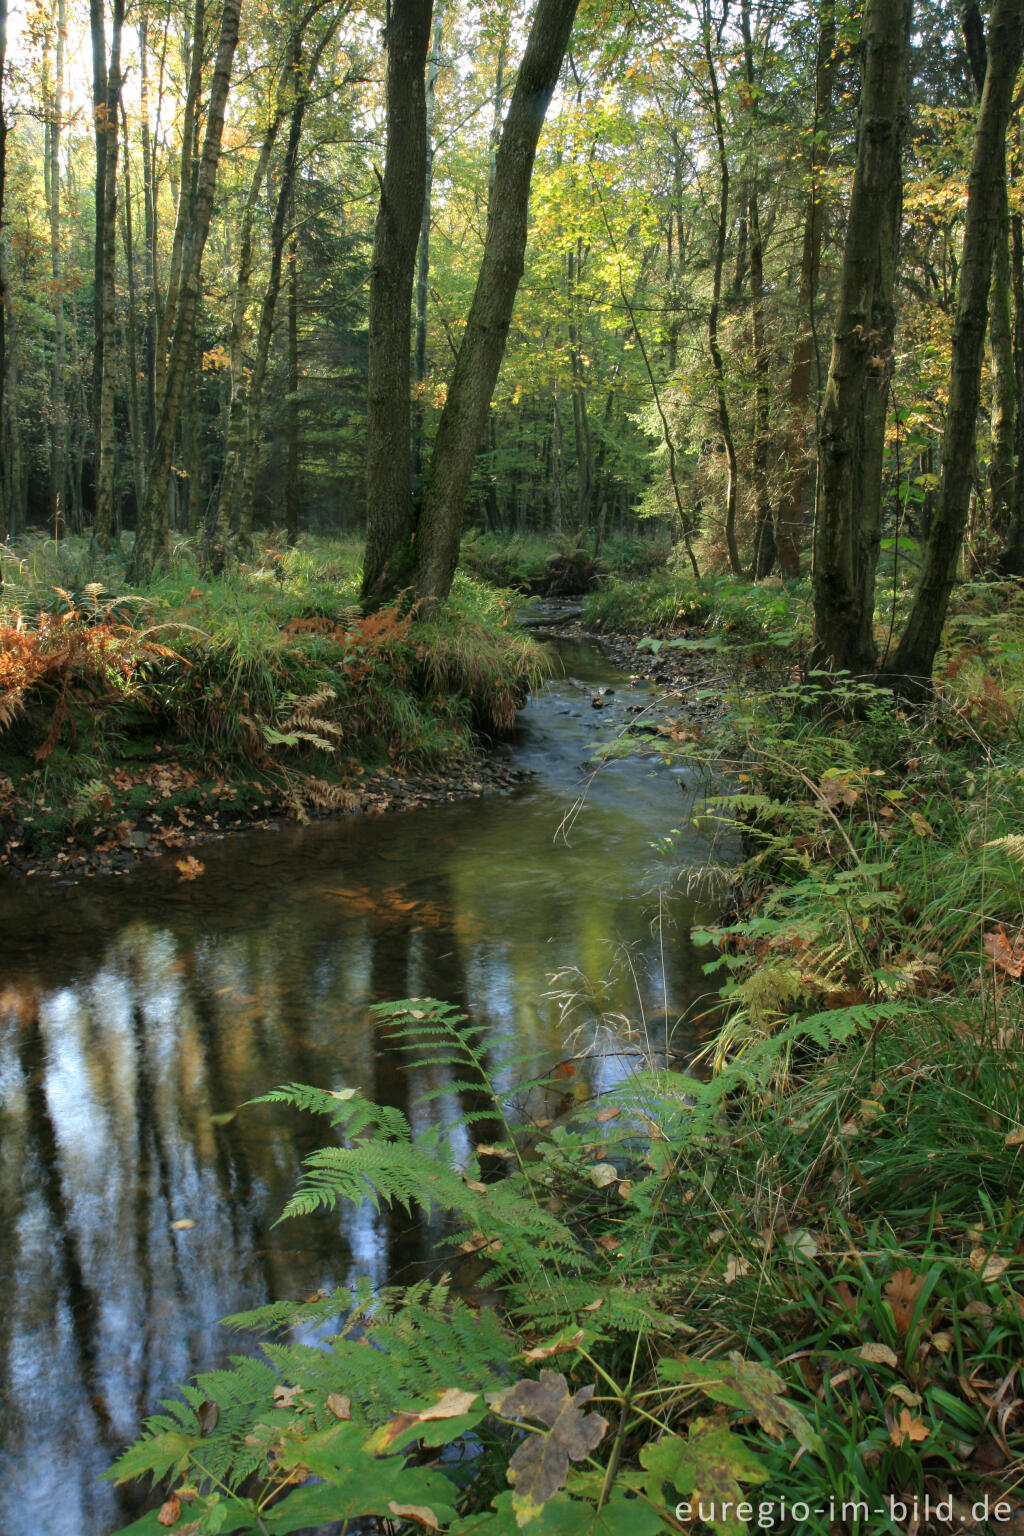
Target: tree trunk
423, 260
53, 107
724, 422
266, 330
291, 515
853, 423
107, 443
1012, 561
764, 539
135, 418
151, 539
911, 667
5, 498
1004, 389
390, 519
149, 226
789, 509
234, 439
99, 107
483, 343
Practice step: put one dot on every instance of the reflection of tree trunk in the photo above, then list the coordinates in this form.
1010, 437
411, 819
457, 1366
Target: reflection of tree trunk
389, 978
83, 1303
149, 1153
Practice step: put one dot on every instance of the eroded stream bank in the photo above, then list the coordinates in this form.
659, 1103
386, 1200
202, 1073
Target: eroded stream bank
136, 1015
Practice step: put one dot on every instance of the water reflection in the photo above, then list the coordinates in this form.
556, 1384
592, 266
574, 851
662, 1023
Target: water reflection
136, 1016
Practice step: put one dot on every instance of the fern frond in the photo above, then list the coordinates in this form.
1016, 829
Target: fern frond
345, 1107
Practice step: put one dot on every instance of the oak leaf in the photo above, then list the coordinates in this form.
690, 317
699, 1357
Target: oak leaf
902, 1292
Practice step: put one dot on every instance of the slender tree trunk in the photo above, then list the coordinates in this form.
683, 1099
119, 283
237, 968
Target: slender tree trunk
764, 537
186, 211
234, 441
107, 444
483, 342
291, 515
911, 667
853, 424
423, 259
1012, 562
149, 227
54, 107
390, 517
285, 198
99, 107
6, 519
789, 508
135, 417
724, 421
151, 539
580, 419
1004, 387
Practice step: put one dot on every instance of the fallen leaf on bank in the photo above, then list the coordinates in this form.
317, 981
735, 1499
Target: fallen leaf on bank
988, 1265
608, 1113
170, 1512
902, 1292
420, 1513
559, 1347
340, 1406
912, 1399
185, 1224
1015, 1138
878, 1354
452, 1404
735, 1268
1008, 957
603, 1174
908, 1428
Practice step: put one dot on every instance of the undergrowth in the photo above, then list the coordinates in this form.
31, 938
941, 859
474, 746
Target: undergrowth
269, 671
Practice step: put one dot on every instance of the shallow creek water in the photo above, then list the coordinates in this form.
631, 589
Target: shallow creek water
138, 1014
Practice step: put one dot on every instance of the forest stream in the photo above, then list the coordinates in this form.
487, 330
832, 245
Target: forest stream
138, 1200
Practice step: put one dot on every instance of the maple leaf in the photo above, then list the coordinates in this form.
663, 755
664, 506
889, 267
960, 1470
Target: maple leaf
540, 1466
908, 1428
189, 868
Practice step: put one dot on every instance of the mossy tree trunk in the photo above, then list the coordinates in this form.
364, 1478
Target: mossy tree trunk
852, 437
390, 518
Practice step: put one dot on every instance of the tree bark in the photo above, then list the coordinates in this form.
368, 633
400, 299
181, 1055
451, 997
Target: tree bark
5, 499
911, 668
390, 519
853, 423
423, 259
483, 343
789, 509
291, 515
53, 100
724, 421
103, 523
151, 539
99, 106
